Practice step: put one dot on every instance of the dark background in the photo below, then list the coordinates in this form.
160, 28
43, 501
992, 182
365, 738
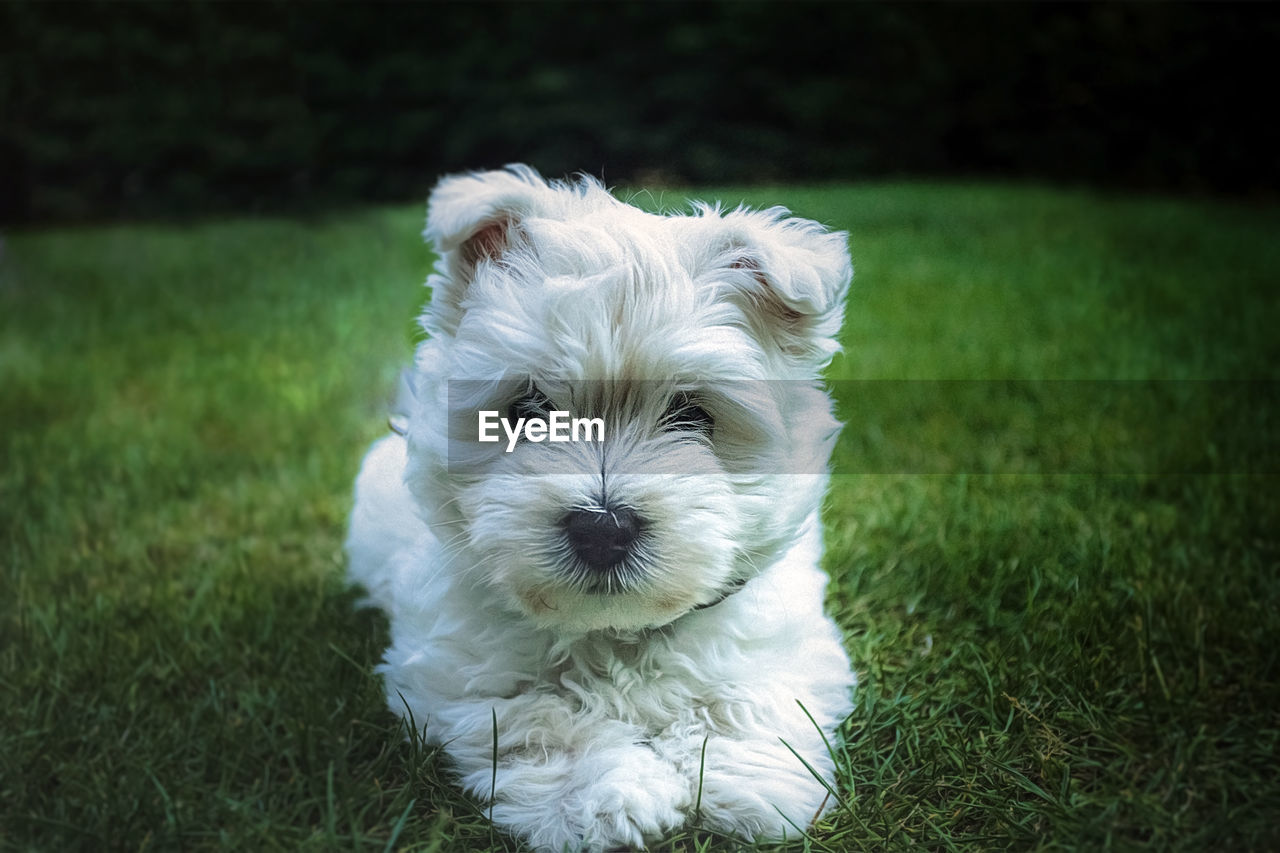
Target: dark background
140, 109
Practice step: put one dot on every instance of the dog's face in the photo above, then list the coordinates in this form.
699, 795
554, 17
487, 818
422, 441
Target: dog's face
695, 340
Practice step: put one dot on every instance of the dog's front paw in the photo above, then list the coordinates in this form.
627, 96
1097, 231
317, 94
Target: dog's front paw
758, 789
615, 798
636, 803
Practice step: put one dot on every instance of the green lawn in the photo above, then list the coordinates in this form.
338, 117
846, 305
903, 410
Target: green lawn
1048, 658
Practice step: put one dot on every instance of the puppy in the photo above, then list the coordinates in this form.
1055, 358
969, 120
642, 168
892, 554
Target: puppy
637, 602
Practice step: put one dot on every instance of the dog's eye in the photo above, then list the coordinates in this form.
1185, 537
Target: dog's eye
534, 404
685, 414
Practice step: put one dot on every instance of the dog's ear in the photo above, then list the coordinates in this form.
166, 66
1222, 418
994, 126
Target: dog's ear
792, 275
472, 218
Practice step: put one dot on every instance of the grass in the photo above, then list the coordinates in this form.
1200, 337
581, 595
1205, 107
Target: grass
1047, 659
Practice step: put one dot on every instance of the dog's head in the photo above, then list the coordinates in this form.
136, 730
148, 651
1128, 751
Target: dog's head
689, 345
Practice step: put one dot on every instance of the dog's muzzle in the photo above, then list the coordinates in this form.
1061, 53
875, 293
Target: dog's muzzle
602, 538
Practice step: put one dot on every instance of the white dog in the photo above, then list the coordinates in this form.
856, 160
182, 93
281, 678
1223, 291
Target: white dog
641, 609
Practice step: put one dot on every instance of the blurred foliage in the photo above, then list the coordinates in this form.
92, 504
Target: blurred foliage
110, 109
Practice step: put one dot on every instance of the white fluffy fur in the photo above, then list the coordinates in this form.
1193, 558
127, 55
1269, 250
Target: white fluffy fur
604, 700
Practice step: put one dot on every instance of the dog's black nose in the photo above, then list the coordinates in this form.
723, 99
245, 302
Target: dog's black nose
602, 538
